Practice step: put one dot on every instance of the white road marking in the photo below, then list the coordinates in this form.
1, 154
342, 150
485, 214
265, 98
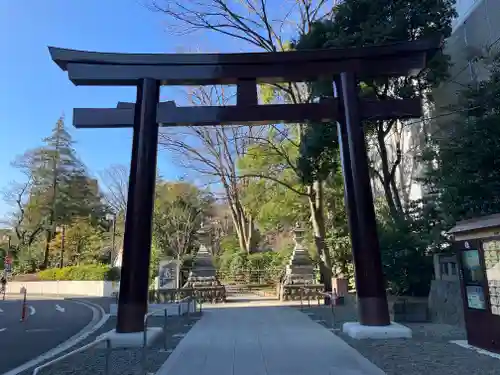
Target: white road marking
39, 330
93, 326
59, 308
1, 310
3, 329
32, 310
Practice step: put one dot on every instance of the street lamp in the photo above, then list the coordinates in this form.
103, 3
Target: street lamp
112, 218
61, 229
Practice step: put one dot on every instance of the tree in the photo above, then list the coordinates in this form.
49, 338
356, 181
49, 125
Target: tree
179, 209
59, 186
115, 180
267, 27
212, 153
272, 163
367, 22
464, 151
83, 244
25, 219
260, 24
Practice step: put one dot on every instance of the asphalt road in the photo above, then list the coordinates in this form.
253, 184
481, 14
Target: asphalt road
48, 324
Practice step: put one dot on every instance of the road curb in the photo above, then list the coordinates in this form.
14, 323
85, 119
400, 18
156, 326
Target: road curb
99, 317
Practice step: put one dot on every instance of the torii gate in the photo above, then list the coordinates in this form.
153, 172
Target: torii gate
245, 70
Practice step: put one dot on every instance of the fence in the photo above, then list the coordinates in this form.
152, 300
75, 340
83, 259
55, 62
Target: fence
270, 276
109, 345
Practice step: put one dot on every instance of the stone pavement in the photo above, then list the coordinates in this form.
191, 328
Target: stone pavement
263, 340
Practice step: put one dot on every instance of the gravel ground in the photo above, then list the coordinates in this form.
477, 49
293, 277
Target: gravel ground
429, 352
122, 361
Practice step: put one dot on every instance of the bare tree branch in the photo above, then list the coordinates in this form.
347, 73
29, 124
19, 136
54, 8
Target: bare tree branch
278, 181
115, 180
260, 23
213, 152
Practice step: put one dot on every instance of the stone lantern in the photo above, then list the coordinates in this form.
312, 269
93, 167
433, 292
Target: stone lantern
203, 275
299, 269
299, 272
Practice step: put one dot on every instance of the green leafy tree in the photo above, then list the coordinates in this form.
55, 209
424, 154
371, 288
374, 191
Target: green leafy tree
279, 196
212, 153
58, 189
179, 210
358, 23
25, 219
83, 244
465, 180
260, 25
51, 166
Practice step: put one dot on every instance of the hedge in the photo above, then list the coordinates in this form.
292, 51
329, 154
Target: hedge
83, 273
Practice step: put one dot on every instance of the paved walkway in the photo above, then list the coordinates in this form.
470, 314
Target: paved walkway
264, 340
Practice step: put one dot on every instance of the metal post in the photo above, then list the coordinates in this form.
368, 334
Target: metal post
373, 309
133, 297
107, 355
332, 304
23, 310
144, 344
301, 299
165, 329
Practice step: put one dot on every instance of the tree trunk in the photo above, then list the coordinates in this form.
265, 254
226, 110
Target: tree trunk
245, 227
386, 175
249, 235
55, 166
318, 223
48, 238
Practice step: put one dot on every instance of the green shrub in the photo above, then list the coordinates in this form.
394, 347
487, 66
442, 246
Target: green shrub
230, 244
406, 257
85, 273
48, 274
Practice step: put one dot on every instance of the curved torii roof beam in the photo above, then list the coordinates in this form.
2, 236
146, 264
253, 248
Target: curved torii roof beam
122, 69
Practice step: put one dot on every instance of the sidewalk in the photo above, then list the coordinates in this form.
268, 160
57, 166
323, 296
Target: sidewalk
265, 340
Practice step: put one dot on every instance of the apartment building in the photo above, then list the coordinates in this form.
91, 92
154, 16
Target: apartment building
476, 34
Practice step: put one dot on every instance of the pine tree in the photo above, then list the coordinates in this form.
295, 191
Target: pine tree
62, 188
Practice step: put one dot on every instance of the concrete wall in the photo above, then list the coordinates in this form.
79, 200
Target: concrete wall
77, 288
446, 303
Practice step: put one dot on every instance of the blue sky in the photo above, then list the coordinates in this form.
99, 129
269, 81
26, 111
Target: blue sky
35, 92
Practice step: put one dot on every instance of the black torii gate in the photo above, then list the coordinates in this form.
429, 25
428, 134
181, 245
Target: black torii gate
245, 70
